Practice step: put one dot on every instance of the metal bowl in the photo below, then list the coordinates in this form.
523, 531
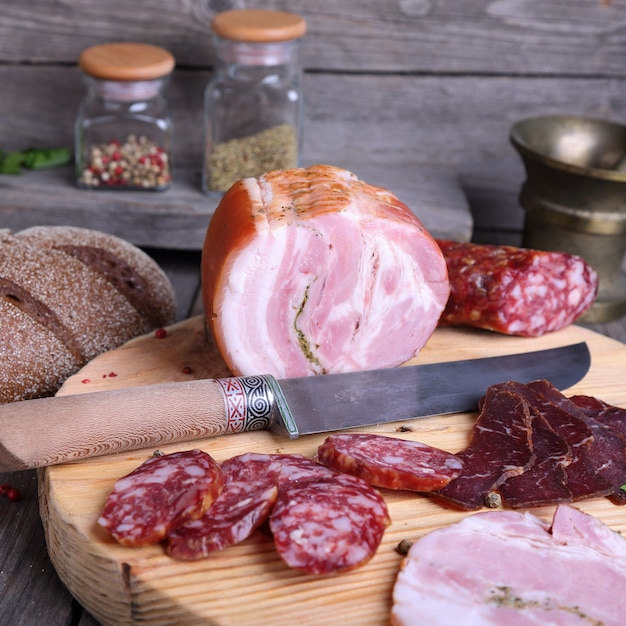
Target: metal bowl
574, 197
585, 146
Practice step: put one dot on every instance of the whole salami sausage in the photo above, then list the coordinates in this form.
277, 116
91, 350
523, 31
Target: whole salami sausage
328, 524
515, 291
390, 462
163, 492
250, 490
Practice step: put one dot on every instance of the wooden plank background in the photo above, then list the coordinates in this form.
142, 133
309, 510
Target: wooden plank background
402, 83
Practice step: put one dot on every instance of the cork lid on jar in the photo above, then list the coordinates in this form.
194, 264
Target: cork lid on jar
124, 61
258, 25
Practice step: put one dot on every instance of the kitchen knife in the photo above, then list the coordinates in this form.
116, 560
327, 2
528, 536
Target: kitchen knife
47, 431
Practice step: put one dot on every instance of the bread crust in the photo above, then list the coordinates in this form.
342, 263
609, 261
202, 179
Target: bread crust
68, 294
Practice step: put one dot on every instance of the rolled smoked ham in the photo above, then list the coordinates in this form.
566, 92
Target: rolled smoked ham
313, 271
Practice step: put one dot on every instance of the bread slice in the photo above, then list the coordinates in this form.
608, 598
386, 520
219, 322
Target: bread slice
68, 294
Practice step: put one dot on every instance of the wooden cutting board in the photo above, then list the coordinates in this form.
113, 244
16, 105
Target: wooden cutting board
248, 584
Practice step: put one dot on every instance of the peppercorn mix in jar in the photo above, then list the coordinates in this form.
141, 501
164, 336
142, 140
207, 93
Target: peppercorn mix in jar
253, 104
123, 127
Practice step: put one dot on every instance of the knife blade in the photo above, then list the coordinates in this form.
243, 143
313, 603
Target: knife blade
48, 431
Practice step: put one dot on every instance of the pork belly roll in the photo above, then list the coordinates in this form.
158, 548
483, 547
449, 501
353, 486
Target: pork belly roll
313, 271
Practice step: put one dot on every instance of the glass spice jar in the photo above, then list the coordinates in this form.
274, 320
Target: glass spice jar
123, 127
253, 104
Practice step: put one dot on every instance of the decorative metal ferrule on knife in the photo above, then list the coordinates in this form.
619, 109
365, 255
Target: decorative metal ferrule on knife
256, 403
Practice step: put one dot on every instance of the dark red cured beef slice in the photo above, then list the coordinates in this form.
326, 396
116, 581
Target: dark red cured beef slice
389, 462
546, 481
583, 480
500, 447
515, 291
612, 416
250, 490
328, 525
162, 493
607, 450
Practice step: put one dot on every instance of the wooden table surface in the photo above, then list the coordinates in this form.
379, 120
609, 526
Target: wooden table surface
31, 594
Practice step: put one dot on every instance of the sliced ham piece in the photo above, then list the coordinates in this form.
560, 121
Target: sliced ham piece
507, 568
313, 271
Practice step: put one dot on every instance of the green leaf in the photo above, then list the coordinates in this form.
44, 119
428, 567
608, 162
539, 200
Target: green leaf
11, 162
623, 487
36, 159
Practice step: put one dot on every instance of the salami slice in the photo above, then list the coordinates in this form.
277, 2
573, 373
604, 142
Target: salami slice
162, 493
329, 524
250, 490
515, 291
389, 462
500, 447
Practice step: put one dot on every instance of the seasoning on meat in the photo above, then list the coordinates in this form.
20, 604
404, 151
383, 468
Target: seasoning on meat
500, 447
515, 291
390, 462
249, 493
162, 493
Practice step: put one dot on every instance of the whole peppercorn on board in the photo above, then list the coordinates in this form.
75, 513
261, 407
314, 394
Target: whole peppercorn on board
248, 584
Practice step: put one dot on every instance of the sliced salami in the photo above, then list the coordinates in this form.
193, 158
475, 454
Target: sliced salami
249, 493
162, 493
515, 291
390, 462
500, 447
328, 524
505, 567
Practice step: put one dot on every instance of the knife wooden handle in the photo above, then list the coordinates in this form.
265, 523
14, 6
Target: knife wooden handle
48, 431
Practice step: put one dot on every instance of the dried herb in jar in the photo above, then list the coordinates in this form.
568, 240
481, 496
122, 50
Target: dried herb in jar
136, 163
271, 149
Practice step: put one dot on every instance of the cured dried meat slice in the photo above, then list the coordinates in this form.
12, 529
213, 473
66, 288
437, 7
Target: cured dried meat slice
312, 271
162, 493
583, 480
505, 567
249, 493
607, 449
515, 291
612, 416
390, 462
546, 481
328, 525
500, 447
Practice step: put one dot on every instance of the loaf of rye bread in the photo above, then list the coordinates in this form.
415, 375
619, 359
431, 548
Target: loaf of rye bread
68, 294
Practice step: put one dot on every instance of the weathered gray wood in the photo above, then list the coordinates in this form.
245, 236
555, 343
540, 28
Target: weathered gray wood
578, 37
178, 218
31, 593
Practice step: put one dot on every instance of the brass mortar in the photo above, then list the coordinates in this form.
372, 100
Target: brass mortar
574, 198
